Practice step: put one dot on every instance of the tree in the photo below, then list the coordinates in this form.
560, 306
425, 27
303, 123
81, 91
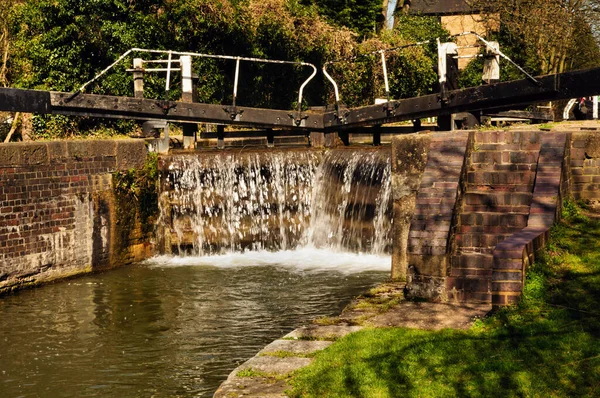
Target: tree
552, 33
6, 8
411, 70
358, 15
61, 44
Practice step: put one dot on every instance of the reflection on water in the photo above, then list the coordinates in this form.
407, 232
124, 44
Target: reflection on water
174, 327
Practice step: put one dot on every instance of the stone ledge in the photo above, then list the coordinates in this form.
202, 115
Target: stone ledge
267, 373
272, 366
128, 153
322, 332
297, 347
252, 387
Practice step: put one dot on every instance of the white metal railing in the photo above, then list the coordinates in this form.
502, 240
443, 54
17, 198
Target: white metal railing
491, 48
170, 61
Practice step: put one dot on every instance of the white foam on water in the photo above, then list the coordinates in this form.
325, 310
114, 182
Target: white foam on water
305, 259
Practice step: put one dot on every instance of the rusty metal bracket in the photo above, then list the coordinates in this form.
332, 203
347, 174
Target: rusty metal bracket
234, 113
166, 106
298, 119
390, 107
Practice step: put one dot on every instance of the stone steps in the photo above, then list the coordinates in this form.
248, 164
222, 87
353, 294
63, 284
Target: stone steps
264, 374
488, 219
493, 177
471, 241
436, 197
497, 198
496, 204
492, 158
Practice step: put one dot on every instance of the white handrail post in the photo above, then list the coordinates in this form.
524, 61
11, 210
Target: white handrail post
138, 78
235, 79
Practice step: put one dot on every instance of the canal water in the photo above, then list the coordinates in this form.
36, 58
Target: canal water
171, 327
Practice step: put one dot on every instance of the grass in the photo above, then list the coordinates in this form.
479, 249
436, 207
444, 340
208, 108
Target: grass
327, 321
546, 126
287, 354
249, 372
548, 345
378, 299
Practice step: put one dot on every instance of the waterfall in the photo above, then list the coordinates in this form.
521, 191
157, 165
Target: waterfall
351, 202
276, 200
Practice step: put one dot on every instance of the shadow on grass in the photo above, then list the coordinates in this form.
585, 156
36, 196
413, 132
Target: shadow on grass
458, 364
547, 346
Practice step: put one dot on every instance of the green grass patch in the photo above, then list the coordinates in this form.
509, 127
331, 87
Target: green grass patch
546, 126
548, 345
327, 321
378, 304
287, 354
249, 372
379, 299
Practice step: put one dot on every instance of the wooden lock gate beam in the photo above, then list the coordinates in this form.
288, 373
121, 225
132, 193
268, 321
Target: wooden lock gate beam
105, 106
574, 84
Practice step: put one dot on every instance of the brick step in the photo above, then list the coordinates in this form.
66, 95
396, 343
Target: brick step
462, 296
479, 284
494, 219
473, 260
481, 177
437, 192
503, 146
471, 272
429, 225
505, 167
499, 188
476, 250
431, 210
495, 208
507, 275
488, 229
507, 137
504, 157
432, 216
498, 198
468, 241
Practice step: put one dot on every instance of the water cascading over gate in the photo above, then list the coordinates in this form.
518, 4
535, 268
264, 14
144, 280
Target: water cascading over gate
214, 203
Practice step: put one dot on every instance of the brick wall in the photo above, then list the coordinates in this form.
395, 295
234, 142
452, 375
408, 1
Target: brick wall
513, 255
456, 24
483, 207
58, 210
584, 176
409, 158
431, 234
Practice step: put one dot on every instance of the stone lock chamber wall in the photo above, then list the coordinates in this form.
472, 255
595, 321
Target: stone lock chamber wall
59, 214
469, 208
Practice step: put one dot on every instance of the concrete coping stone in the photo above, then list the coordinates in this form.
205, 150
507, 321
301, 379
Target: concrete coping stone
322, 332
273, 365
252, 387
270, 368
128, 153
298, 347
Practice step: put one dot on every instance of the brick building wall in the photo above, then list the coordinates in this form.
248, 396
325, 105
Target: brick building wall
59, 215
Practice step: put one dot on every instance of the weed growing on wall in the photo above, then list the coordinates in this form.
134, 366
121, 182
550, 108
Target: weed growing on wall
137, 193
